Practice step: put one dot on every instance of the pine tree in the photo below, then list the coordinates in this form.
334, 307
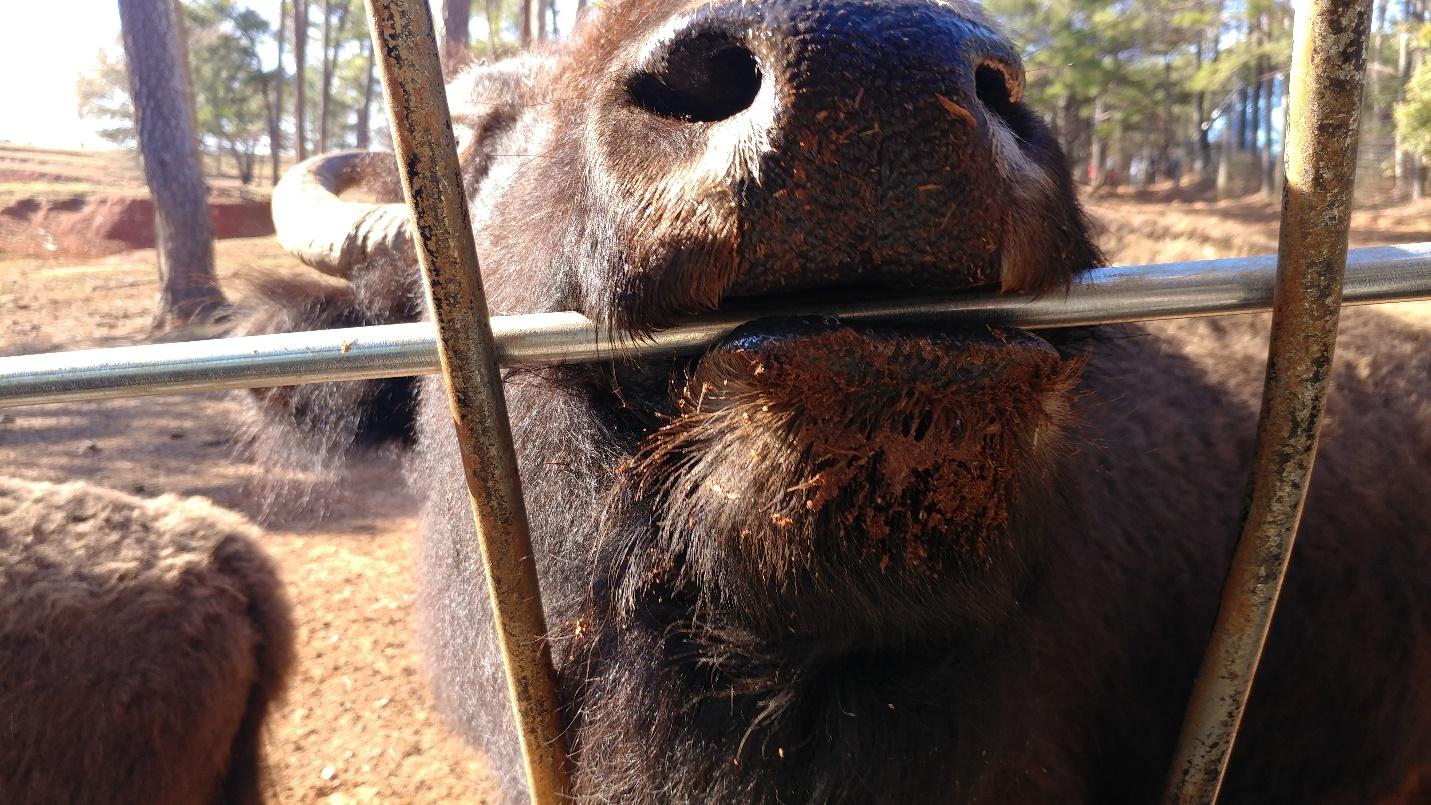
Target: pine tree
163, 111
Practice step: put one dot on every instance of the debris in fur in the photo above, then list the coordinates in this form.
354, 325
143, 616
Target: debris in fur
880, 436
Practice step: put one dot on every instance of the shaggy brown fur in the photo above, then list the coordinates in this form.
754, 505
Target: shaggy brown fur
142, 643
836, 563
824, 449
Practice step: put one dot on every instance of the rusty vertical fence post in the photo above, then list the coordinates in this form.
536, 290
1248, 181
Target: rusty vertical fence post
432, 183
1328, 64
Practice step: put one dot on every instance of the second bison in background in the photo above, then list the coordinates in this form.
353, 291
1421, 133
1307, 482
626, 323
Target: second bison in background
142, 646
824, 562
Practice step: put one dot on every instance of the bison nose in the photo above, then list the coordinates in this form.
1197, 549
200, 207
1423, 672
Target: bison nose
775, 147
697, 76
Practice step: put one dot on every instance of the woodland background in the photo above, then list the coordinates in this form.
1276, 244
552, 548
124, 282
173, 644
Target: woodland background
1176, 90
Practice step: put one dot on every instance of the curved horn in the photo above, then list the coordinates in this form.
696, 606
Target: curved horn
332, 234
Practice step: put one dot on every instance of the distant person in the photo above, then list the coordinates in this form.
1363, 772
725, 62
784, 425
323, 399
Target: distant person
1138, 171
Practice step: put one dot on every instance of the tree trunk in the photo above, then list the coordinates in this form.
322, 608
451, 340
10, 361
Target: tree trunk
456, 35
528, 7
325, 71
1402, 164
187, 69
243, 162
552, 12
365, 111
270, 112
300, 78
1241, 119
494, 21
275, 127
1214, 43
1111, 178
1169, 127
1065, 128
1224, 167
1268, 163
1417, 168
1378, 27
332, 41
1096, 156
168, 147
1254, 121
1415, 165
1202, 154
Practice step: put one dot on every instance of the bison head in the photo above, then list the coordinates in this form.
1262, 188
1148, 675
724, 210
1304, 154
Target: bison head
807, 490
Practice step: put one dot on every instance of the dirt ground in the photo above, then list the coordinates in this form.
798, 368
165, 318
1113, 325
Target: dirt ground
359, 725
65, 204
1166, 224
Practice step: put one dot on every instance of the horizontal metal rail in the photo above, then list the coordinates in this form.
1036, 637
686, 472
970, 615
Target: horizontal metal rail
1102, 296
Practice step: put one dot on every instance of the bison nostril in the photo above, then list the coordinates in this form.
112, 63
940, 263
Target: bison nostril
998, 87
702, 78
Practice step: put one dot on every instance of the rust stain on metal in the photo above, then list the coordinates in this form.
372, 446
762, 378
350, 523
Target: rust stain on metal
427, 156
1328, 64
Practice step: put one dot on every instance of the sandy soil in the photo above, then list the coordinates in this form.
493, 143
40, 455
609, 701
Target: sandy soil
27, 172
359, 725
1166, 225
66, 204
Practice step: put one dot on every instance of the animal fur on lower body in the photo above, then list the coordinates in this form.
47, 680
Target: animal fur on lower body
142, 644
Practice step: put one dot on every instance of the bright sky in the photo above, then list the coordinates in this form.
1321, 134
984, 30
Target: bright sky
59, 42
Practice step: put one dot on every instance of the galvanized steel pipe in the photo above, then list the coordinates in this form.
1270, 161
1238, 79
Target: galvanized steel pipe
426, 153
1324, 114
1102, 296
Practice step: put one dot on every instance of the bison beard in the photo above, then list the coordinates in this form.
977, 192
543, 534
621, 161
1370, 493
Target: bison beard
836, 564
853, 447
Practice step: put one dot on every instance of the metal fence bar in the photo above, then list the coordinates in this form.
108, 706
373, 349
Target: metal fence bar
1328, 64
1102, 296
426, 152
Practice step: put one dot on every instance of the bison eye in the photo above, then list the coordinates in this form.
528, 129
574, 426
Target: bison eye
701, 78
